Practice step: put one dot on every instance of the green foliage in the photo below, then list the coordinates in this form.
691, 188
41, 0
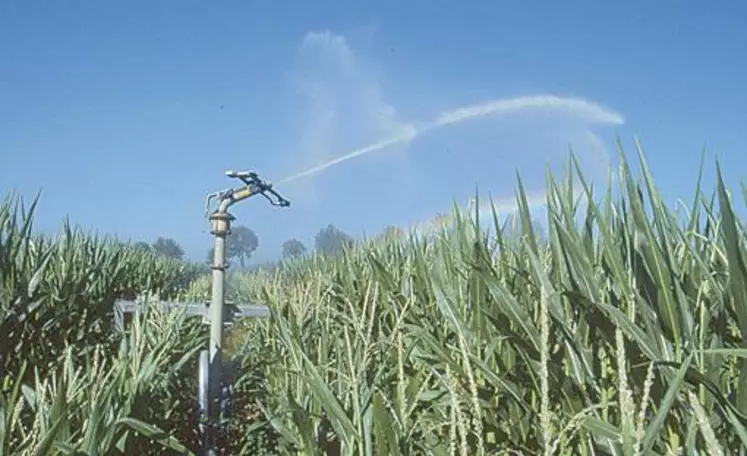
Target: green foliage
129, 403
168, 247
621, 333
56, 316
293, 248
331, 240
241, 244
143, 246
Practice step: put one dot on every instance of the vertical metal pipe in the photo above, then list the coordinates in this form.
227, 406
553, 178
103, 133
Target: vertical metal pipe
221, 228
221, 221
217, 302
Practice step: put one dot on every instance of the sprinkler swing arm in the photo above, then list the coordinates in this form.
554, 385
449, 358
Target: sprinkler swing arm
253, 185
214, 391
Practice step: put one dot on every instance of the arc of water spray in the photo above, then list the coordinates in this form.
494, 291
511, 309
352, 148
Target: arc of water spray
408, 135
589, 110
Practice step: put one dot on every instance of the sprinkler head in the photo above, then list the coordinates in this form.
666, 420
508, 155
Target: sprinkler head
241, 174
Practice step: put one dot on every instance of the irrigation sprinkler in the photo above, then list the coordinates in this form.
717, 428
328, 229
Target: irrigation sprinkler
216, 400
214, 386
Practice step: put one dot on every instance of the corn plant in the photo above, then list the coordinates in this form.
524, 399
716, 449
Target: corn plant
105, 405
621, 333
56, 316
61, 291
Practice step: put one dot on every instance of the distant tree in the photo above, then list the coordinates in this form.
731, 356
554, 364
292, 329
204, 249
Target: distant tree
142, 246
168, 248
241, 244
331, 240
293, 248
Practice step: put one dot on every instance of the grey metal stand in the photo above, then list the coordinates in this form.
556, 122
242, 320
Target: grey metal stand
213, 390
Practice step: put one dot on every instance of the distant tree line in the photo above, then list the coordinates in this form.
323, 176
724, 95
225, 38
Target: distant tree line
243, 242
163, 246
330, 240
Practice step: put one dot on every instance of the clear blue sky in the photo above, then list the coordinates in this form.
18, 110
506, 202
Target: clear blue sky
125, 114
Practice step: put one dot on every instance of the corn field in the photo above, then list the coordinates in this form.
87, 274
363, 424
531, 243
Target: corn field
68, 383
620, 333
